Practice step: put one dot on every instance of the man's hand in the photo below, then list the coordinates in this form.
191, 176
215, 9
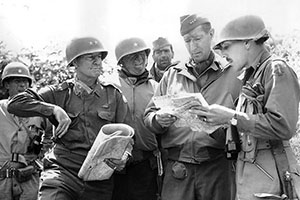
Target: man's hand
215, 114
165, 120
119, 164
63, 121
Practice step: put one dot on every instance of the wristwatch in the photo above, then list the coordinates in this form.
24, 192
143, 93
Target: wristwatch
233, 120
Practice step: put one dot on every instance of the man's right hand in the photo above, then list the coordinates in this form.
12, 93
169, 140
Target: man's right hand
63, 121
165, 120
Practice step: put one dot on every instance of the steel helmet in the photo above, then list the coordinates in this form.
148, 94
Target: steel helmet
130, 46
85, 45
16, 69
243, 28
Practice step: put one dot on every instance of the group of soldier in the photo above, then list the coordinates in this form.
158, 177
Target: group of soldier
247, 90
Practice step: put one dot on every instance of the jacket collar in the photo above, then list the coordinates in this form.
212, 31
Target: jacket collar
80, 87
135, 80
217, 64
261, 58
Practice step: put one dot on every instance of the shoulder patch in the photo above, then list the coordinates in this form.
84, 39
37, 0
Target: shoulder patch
278, 67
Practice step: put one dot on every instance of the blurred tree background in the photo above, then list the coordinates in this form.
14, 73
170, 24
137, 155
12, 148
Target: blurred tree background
48, 65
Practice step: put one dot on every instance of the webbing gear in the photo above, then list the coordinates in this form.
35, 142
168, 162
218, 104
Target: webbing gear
281, 161
15, 157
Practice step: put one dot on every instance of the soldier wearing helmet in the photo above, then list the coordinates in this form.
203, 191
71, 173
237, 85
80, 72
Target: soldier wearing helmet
19, 140
78, 108
162, 55
196, 167
139, 178
266, 114
16, 72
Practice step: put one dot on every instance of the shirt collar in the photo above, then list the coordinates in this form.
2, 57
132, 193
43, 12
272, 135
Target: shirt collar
80, 87
261, 58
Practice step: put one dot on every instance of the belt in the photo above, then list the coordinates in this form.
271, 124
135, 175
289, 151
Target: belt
8, 173
263, 144
139, 156
209, 153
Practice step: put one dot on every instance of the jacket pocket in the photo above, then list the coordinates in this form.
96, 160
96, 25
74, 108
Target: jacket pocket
106, 114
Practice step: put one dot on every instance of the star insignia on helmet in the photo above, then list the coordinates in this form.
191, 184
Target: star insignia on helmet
193, 21
93, 42
19, 71
135, 44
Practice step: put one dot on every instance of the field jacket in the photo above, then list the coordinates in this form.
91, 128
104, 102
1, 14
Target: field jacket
138, 94
220, 87
88, 112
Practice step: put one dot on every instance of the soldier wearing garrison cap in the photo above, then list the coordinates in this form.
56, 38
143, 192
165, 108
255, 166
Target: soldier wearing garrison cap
196, 167
162, 56
266, 114
78, 108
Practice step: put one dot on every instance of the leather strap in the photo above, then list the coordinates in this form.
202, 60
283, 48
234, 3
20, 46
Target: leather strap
282, 167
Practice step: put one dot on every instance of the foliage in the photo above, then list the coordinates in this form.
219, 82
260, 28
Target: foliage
48, 65
287, 47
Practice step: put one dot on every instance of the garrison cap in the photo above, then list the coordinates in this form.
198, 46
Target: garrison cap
160, 43
190, 22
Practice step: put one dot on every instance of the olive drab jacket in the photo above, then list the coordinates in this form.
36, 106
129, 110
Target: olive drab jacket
270, 96
16, 135
157, 74
89, 110
138, 94
219, 86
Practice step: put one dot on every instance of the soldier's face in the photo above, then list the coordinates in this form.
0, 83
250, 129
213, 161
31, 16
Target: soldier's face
16, 85
163, 57
89, 65
198, 43
135, 63
235, 52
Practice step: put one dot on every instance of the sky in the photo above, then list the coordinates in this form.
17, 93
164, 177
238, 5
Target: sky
38, 23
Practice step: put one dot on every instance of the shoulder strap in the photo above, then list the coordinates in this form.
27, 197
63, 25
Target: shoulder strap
282, 166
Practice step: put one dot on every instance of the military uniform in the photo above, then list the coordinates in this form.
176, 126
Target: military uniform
197, 167
89, 111
19, 141
157, 74
14, 142
138, 180
88, 108
267, 111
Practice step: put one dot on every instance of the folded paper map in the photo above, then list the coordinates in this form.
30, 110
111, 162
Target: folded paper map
179, 106
112, 142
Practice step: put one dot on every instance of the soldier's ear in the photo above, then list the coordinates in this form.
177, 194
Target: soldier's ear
6, 85
75, 63
247, 44
212, 32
